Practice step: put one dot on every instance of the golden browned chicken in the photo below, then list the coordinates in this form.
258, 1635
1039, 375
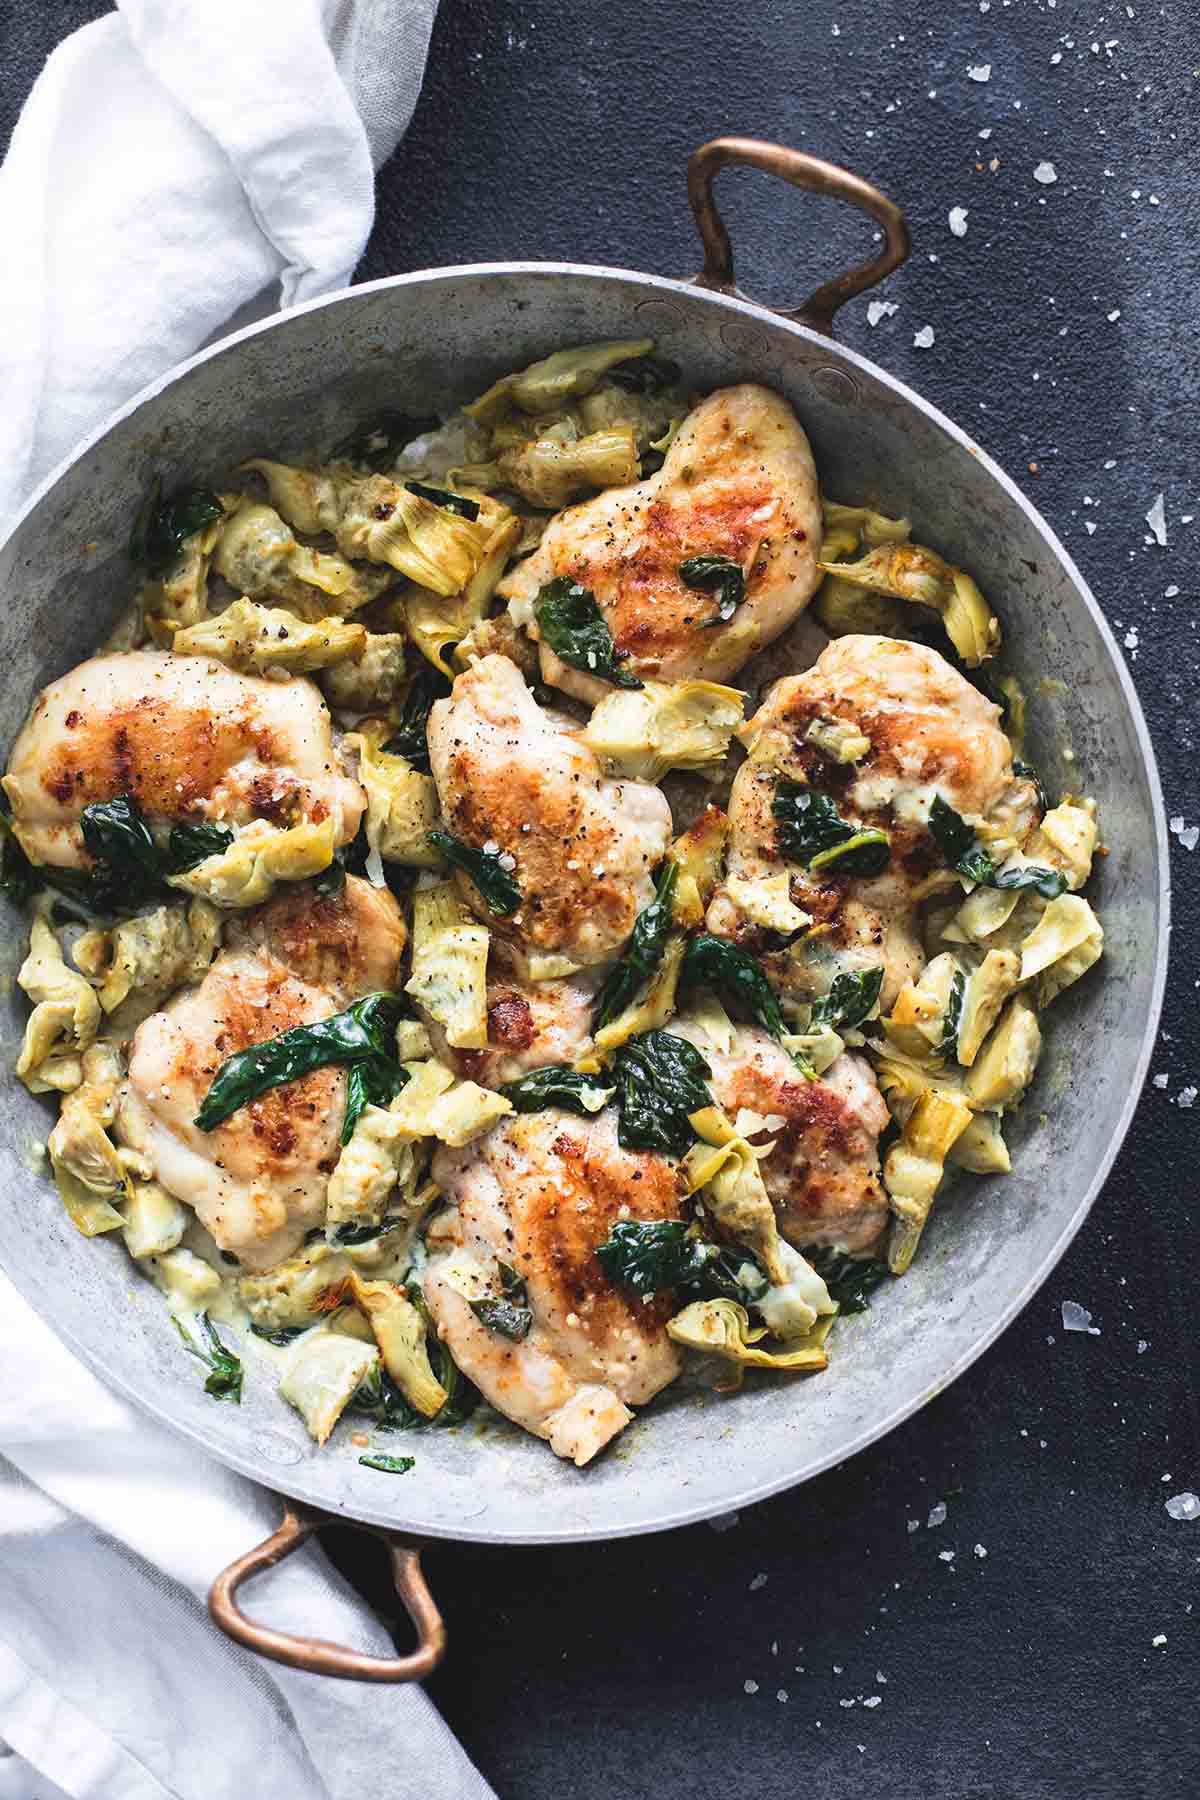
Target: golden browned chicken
186, 738
530, 1024
258, 1182
879, 727
514, 779
823, 1172
537, 1195
737, 482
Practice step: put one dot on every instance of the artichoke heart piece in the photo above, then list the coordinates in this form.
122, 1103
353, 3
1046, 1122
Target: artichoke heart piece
379, 1169
289, 1296
153, 1220
372, 682
435, 621
1066, 840
260, 556
399, 1331
700, 855
402, 804
653, 1007
722, 1328
549, 472
323, 1374
260, 856
911, 573
664, 725
65, 1016
839, 739
264, 640
914, 1166
924, 1019
565, 375
1005, 1066
449, 966
1063, 945
860, 525
147, 957
88, 1171
766, 901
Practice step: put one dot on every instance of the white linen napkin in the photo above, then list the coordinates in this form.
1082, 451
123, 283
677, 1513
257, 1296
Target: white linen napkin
175, 160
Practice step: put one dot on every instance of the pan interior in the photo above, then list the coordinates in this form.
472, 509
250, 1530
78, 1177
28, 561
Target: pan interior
418, 343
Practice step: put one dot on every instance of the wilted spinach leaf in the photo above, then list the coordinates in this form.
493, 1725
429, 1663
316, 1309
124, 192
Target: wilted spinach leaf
453, 503
410, 738
963, 852
190, 844
163, 525
557, 1085
850, 1279
850, 998
645, 374
225, 1379
507, 1312
572, 624
378, 1396
650, 1255
643, 953
719, 576
717, 963
389, 1465
361, 1034
660, 1079
952, 1017
498, 885
810, 830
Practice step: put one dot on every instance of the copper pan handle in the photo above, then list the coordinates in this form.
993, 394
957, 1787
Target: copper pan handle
802, 171
317, 1655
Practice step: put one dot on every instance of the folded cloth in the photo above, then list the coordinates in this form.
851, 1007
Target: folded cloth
174, 161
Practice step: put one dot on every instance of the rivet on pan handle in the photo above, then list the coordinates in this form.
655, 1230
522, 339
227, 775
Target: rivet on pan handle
803, 171
316, 1655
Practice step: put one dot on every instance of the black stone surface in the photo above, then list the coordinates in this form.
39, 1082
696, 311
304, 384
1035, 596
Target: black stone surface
561, 130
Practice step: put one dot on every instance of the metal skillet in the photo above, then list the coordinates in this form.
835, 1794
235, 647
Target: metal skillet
443, 335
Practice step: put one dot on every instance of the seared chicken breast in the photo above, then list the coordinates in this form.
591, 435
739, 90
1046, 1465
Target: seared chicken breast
515, 780
258, 1182
737, 482
186, 738
823, 1173
923, 731
530, 1025
537, 1195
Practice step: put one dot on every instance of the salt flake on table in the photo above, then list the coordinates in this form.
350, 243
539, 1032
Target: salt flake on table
1131, 638
1156, 519
1143, 1344
958, 221
979, 71
1186, 1097
750, 1687
873, 1700
946, 1556
1046, 173
937, 1515
760, 1581
1114, 315
1183, 1506
1169, 593
1160, 1081
923, 339
1078, 1318
1160, 1639
881, 309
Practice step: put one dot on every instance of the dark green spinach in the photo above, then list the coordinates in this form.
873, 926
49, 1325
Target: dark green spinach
508, 1312
225, 1378
410, 738
645, 374
1026, 772
660, 1080
378, 1396
452, 503
810, 830
278, 1334
360, 1035
499, 887
719, 576
643, 953
717, 963
850, 998
188, 845
389, 1465
964, 852
163, 525
573, 626
850, 1279
557, 1085
648, 1256
952, 1017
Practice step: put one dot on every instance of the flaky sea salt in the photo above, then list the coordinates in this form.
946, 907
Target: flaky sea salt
760, 1581
945, 1556
1160, 1639
1078, 1318
979, 72
923, 339
881, 309
873, 1700
750, 1687
1160, 1081
1183, 1506
1156, 519
1046, 173
980, 1551
958, 221
937, 1515
1186, 1097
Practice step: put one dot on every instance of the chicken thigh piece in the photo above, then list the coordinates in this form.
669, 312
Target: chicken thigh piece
258, 1182
737, 482
538, 1194
921, 730
184, 737
823, 1173
513, 778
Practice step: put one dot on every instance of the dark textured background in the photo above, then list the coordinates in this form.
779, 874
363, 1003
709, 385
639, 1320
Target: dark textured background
561, 130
